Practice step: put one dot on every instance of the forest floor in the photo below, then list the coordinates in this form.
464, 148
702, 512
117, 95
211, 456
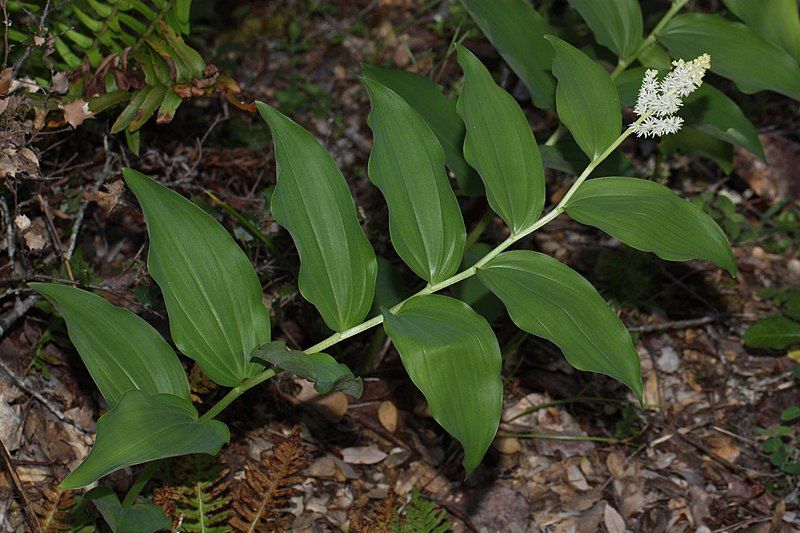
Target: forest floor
575, 453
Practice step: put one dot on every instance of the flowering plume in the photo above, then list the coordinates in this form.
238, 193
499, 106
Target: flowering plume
658, 101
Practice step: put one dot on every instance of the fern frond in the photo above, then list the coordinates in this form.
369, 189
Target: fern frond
378, 518
195, 495
61, 510
259, 499
422, 516
52, 509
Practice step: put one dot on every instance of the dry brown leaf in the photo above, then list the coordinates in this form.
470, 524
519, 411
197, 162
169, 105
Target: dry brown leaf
22, 222
387, 414
363, 455
576, 478
109, 198
333, 406
508, 445
28, 154
34, 240
260, 499
59, 83
613, 520
725, 447
652, 395
76, 112
779, 177
6, 78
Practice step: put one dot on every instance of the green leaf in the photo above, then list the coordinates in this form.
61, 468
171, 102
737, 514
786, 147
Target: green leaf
390, 289
133, 141
655, 56
793, 304
692, 140
711, 111
737, 53
652, 218
319, 368
439, 113
775, 332
127, 115
707, 109
617, 24
170, 103
792, 468
790, 413
547, 298
452, 356
474, 293
518, 31
211, 291
138, 518
567, 156
312, 201
121, 351
500, 146
144, 428
777, 21
152, 101
586, 99
407, 164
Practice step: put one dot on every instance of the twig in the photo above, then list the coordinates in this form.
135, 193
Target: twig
9, 230
22, 307
73, 239
50, 406
33, 523
6, 23
677, 324
225, 115
27, 51
690, 323
716, 457
51, 227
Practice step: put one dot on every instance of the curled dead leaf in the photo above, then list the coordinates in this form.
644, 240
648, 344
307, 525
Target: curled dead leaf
28, 154
76, 112
34, 240
6, 78
22, 222
60, 83
776, 179
109, 198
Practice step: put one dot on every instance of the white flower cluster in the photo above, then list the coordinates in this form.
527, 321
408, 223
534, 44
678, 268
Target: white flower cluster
658, 100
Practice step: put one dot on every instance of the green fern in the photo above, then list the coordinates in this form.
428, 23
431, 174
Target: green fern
100, 27
15, 11
422, 516
134, 53
195, 495
127, 53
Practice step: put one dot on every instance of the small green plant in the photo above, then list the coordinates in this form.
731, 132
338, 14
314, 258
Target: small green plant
754, 44
777, 229
783, 446
214, 298
780, 330
195, 494
422, 516
213, 295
